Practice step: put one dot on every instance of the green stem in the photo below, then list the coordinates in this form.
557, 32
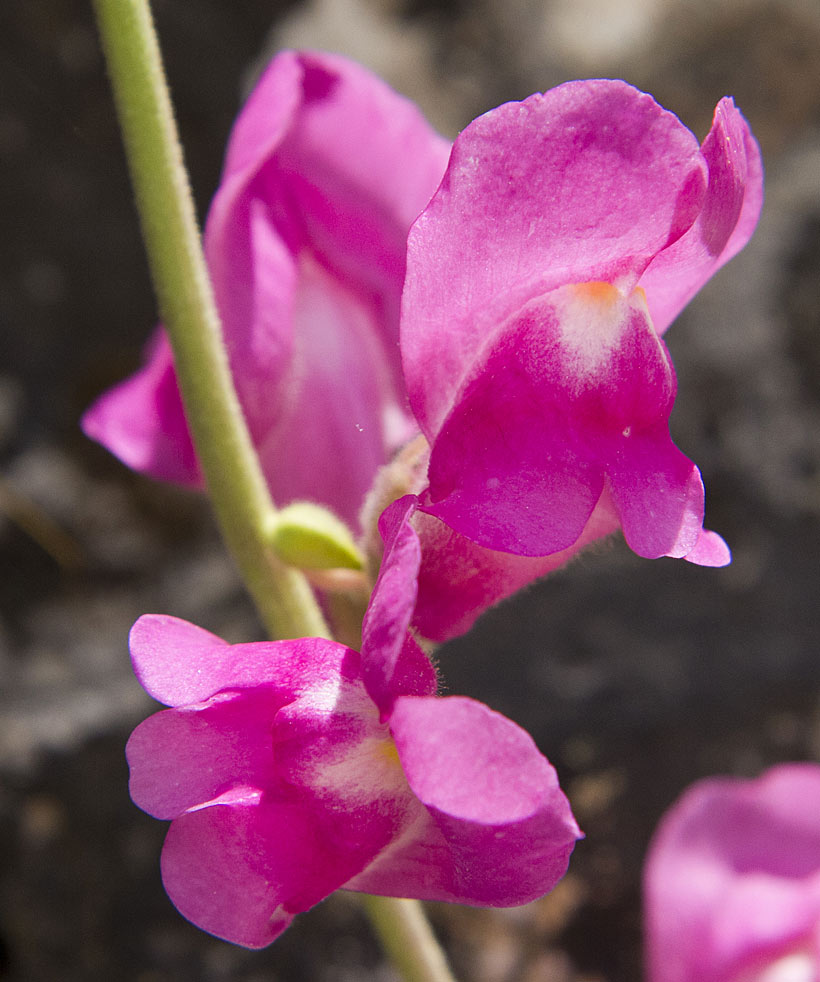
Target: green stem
406, 936
235, 483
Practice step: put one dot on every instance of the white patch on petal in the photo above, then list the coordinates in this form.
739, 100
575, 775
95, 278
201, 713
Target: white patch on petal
341, 365
322, 697
591, 318
792, 968
365, 765
331, 320
368, 771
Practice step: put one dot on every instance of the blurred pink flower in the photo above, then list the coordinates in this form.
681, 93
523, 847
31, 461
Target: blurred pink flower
290, 769
732, 881
568, 232
305, 240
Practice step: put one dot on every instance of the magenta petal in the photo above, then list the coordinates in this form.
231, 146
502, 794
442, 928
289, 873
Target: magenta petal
341, 760
730, 212
586, 182
567, 385
240, 867
392, 663
471, 763
500, 830
732, 881
307, 356
181, 757
658, 493
175, 660
179, 663
142, 422
360, 163
394, 595
504, 471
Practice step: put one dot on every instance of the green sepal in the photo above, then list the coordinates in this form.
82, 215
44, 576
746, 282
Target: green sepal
308, 536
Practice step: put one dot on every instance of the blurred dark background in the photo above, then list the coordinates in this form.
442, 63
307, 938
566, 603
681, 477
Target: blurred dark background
635, 677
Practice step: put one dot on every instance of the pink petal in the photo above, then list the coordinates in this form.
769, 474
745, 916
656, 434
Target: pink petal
586, 182
730, 212
658, 493
179, 663
308, 283
337, 415
392, 663
574, 388
360, 163
241, 866
710, 550
733, 876
142, 422
308, 358
498, 831
181, 757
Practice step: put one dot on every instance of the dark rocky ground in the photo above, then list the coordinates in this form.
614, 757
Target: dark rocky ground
635, 677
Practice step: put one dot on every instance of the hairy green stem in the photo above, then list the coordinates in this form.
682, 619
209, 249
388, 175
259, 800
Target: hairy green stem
235, 482
406, 935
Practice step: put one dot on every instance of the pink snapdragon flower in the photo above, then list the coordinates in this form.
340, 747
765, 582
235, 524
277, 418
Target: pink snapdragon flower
305, 241
568, 232
290, 769
732, 881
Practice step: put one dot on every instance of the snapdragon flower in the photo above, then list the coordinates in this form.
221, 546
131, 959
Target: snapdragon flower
732, 881
290, 769
568, 232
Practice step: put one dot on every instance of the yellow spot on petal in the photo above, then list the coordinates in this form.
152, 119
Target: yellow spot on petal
389, 751
597, 292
